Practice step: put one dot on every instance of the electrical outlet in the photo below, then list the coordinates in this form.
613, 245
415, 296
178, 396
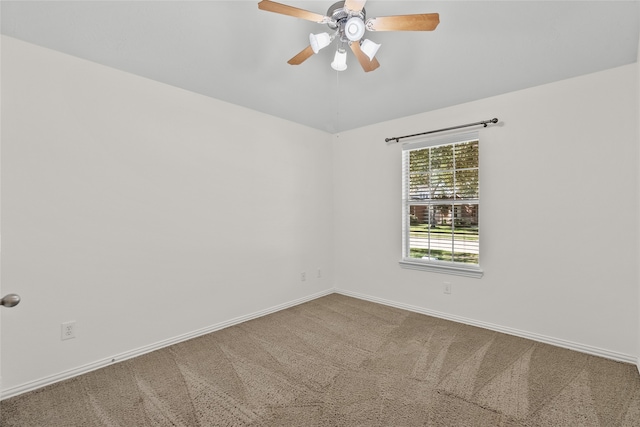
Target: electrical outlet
447, 288
303, 276
68, 330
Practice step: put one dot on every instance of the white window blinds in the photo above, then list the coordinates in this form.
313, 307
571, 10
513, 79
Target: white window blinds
441, 205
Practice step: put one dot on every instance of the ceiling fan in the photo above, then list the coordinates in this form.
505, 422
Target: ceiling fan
348, 21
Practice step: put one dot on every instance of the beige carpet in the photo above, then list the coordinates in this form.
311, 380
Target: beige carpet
340, 361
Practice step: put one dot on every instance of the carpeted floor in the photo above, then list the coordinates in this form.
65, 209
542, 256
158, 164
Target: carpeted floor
340, 361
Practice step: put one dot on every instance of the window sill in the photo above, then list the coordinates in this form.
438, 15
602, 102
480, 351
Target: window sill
443, 268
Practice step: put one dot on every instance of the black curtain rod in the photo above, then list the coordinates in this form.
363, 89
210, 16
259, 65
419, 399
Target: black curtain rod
484, 122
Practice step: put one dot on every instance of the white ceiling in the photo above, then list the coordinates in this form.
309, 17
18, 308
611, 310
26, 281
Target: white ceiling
235, 52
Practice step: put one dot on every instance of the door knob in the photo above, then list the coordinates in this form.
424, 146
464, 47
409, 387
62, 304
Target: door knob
10, 300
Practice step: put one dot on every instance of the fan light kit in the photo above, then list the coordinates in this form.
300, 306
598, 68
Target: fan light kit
340, 60
348, 23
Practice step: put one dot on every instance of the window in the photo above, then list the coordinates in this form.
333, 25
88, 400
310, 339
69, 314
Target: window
440, 205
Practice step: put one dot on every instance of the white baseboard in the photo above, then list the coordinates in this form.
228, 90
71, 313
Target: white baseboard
33, 385
595, 351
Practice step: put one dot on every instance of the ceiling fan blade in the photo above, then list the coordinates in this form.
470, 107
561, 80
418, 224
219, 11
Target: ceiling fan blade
271, 6
419, 22
363, 59
354, 5
302, 56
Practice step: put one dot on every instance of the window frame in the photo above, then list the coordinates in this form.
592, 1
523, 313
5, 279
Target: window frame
437, 266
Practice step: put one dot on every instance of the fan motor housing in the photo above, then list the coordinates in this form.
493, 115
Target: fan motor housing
339, 14
339, 17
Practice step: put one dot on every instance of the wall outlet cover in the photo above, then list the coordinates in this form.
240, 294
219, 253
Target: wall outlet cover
68, 330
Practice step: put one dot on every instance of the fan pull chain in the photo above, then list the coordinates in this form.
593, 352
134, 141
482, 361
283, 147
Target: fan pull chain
337, 102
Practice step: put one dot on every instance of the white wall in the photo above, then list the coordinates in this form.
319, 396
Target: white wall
558, 218
144, 212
